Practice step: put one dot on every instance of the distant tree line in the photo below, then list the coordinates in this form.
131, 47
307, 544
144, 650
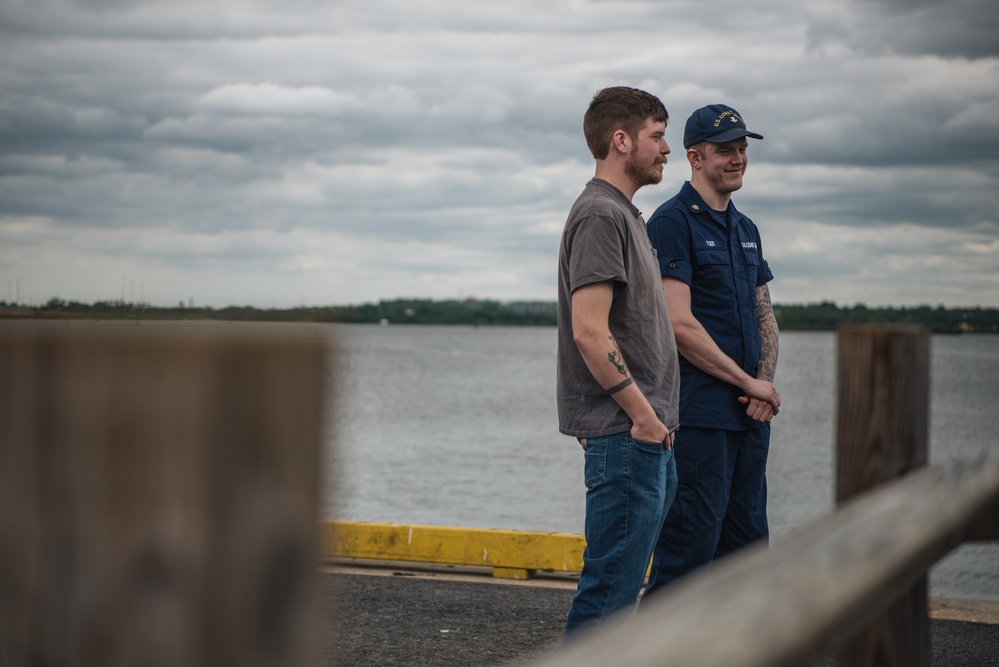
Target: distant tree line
824, 316
398, 311
827, 316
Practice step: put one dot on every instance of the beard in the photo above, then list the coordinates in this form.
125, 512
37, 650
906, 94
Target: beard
643, 173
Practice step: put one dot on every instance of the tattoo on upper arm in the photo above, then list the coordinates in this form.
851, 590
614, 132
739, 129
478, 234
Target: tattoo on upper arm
614, 356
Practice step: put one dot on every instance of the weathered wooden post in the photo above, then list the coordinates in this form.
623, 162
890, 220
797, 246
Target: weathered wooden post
882, 432
158, 499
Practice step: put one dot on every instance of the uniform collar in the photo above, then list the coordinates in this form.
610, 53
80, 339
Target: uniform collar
694, 204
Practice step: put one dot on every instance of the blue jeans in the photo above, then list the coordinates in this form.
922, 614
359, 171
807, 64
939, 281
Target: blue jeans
629, 487
721, 504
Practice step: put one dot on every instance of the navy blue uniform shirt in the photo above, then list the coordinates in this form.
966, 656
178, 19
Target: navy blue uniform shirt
719, 255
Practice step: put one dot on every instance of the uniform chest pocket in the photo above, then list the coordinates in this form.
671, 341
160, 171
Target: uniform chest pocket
752, 256
713, 268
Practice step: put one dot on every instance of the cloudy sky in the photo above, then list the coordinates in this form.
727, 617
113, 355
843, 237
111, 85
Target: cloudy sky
295, 152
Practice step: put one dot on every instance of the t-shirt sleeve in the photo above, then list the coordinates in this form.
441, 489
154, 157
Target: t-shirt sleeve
764, 274
597, 253
670, 237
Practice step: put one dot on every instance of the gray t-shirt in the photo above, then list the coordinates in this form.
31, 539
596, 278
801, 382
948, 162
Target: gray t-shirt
605, 239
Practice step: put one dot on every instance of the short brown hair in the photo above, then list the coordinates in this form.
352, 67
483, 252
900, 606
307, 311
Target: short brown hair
701, 148
619, 108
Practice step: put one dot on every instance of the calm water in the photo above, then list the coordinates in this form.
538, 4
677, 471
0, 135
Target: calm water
457, 426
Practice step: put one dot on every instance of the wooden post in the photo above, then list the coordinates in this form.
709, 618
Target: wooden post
158, 499
883, 389
987, 528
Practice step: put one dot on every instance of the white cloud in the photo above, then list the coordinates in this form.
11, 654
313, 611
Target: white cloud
270, 98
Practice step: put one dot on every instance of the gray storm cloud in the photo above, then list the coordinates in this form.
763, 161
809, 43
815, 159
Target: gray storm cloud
291, 152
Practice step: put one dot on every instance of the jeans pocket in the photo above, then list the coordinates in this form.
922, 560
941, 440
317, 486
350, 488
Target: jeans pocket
650, 446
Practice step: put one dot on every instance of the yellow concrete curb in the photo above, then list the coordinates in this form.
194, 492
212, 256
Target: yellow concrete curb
512, 554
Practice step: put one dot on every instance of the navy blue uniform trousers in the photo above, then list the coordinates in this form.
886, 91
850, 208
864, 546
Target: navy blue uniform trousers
720, 504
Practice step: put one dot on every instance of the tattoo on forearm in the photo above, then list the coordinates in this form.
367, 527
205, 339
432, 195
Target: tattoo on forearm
769, 335
768, 359
621, 385
614, 356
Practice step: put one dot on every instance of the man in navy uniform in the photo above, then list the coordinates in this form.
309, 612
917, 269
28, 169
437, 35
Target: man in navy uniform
715, 282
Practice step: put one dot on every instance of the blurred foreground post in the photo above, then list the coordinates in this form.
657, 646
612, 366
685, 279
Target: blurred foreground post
883, 403
158, 499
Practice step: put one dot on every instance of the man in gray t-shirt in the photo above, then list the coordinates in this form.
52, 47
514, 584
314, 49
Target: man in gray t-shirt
618, 378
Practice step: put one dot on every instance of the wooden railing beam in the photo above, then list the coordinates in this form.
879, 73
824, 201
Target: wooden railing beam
811, 591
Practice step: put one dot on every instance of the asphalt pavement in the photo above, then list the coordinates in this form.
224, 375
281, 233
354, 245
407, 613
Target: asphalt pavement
397, 616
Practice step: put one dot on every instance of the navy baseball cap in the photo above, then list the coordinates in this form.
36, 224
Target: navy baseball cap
716, 123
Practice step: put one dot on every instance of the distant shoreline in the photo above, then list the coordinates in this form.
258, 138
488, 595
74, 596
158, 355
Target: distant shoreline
824, 316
